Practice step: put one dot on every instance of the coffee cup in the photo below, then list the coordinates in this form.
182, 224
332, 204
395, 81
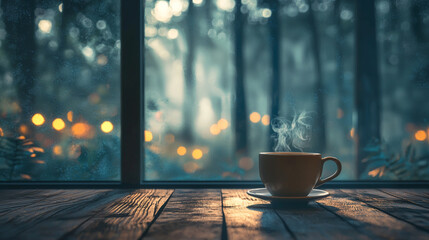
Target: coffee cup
293, 174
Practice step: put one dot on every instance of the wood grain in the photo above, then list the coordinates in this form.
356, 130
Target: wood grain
189, 214
247, 217
127, 218
399, 208
51, 218
12, 200
408, 196
312, 221
367, 219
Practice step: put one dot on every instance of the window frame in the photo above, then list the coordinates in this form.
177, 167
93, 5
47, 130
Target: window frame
132, 122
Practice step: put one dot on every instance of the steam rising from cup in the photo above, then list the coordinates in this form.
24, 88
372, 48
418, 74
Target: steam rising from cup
292, 135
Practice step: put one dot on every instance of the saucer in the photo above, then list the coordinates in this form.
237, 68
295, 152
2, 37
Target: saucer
263, 193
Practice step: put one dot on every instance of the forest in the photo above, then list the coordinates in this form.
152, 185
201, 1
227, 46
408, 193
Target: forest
220, 77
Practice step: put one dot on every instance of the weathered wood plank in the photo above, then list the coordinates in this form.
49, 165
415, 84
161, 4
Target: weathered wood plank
312, 221
408, 196
411, 213
247, 217
418, 192
52, 217
127, 218
371, 221
189, 214
11, 200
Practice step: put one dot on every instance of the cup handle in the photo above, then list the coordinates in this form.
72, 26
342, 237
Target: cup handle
320, 182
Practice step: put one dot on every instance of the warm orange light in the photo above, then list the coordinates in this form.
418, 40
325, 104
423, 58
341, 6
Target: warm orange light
26, 176
106, 126
340, 113
245, 163
39, 161
102, 60
23, 129
255, 117
181, 150
58, 124
57, 150
214, 129
420, 135
82, 130
148, 136
265, 120
70, 116
191, 167
197, 154
222, 124
352, 132
38, 119
1, 132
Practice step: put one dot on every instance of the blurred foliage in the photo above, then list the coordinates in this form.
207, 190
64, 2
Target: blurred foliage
15, 154
383, 165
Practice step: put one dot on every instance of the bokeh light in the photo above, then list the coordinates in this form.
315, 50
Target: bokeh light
222, 124
106, 126
265, 120
420, 135
45, 26
191, 167
57, 150
38, 119
23, 129
70, 116
148, 136
82, 130
255, 117
214, 129
197, 154
245, 163
181, 150
58, 124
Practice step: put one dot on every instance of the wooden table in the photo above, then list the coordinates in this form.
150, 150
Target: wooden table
210, 214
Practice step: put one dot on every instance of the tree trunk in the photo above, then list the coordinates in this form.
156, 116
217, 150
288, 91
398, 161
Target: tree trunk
319, 123
240, 128
21, 49
367, 82
189, 102
274, 27
342, 111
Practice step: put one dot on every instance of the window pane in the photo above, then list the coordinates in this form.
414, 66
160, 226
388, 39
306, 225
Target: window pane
59, 86
219, 75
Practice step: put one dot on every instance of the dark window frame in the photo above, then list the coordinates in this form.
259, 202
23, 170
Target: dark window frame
132, 122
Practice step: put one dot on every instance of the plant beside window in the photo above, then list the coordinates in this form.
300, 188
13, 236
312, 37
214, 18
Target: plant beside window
16, 155
385, 165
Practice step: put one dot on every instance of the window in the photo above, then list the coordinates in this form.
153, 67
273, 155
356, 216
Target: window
59, 87
217, 73
220, 80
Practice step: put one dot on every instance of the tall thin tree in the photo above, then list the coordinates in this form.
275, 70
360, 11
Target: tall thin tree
320, 121
240, 119
367, 81
19, 20
275, 33
342, 111
189, 89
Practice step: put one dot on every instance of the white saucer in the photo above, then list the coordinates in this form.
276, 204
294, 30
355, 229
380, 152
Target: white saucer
263, 193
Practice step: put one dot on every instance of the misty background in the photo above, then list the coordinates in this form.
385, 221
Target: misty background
217, 72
